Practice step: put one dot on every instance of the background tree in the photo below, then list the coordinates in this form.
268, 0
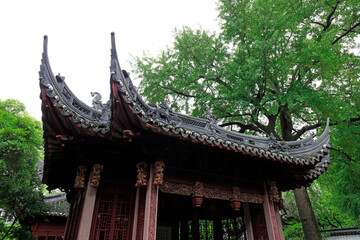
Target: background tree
327, 212
20, 150
279, 67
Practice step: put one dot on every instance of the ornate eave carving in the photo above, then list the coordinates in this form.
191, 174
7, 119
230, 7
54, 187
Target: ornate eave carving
198, 190
141, 178
158, 173
95, 175
274, 194
80, 177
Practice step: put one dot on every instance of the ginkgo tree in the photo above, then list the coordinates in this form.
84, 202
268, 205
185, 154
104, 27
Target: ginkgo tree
275, 67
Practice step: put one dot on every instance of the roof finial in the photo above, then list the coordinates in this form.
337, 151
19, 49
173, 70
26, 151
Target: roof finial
45, 43
113, 46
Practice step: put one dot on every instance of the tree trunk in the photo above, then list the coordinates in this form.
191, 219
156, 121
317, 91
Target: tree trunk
306, 213
307, 216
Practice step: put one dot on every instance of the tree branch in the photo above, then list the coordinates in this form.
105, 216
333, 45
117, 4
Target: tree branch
304, 129
344, 153
179, 93
243, 127
235, 115
329, 19
345, 33
323, 25
7, 232
316, 125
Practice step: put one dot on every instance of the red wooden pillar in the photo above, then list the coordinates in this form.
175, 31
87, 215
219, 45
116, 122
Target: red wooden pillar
151, 202
138, 222
271, 219
278, 220
248, 222
89, 203
136, 214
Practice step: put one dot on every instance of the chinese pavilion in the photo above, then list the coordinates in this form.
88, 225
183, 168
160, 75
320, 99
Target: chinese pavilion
133, 170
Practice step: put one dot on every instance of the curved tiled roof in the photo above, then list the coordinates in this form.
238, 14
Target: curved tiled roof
58, 205
127, 110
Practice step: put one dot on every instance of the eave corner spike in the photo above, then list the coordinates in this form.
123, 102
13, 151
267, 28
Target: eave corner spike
45, 43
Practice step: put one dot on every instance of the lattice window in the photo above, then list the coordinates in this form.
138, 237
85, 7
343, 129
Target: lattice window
163, 233
112, 216
121, 224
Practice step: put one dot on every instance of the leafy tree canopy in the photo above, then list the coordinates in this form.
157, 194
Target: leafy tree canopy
273, 62
20, 150
343, 175
275, 66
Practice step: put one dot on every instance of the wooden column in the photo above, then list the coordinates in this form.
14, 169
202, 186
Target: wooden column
248, 223
151, 202
278, 220
195, 225
89, 203
270, 217
218, 232
184, 229
136, 214
138, 211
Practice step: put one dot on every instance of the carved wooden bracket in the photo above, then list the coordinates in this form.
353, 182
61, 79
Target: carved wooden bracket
80, 177
141, 174
158, 176
197, 194
95, 175
235, 198
274, 194
235, 194
198, 189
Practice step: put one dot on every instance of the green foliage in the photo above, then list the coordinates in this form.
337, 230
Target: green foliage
294, 232
327, 213
343, 176
20, 150
273, 62
278, 67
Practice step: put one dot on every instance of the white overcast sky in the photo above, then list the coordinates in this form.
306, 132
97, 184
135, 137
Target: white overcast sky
79, 40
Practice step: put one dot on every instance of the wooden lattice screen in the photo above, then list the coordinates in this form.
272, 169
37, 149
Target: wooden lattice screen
112, 216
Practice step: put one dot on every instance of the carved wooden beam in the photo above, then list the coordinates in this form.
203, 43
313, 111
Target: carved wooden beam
212, 193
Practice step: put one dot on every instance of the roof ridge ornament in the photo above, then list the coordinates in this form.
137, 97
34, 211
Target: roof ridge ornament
211, 117
275, 145
60, 78
96, 101
212, 124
